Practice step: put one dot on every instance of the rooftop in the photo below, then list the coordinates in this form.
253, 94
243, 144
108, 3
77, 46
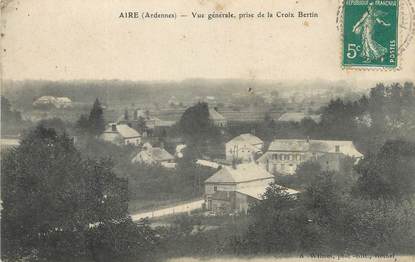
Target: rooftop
124, 130
241, 173
259, 191
325, 146
214, 115
247, 138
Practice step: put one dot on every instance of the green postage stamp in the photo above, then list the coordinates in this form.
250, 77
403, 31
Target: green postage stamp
370, 33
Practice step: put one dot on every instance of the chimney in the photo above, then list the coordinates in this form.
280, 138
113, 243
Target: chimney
114, 127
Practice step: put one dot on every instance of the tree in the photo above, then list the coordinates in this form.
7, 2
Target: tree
388, 174
197, 127
94, 124
307, 172
53, 199
96, 119
82, 124
11, 119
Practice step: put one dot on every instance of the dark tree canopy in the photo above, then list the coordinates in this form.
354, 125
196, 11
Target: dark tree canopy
9, 118
96, 118
51, 197
196, 126
388, 174
94, 124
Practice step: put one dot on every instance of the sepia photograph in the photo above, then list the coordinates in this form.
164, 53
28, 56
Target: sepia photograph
207, 130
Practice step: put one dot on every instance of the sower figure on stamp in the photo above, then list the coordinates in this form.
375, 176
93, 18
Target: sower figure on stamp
371, 50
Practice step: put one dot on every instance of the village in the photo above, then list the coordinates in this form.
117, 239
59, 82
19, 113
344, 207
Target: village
197, 174
242, 167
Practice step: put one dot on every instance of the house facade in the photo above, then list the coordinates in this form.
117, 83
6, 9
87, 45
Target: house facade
245, 147
121, 134
285, 155
226, 190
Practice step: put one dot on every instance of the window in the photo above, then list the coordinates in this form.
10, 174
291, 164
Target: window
215, 188
337, 149
281, 157
276, 156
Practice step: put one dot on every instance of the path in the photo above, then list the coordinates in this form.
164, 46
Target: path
177, 209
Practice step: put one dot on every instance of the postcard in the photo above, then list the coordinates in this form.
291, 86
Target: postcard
207, 130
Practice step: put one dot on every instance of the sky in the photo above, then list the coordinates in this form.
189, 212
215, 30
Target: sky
77, 39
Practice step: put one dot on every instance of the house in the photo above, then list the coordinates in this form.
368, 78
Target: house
244, 147
154, 155
48, 101
121, 134
298, 117
63, 102
44, 101
285, 155
216, 118
142, 120
234, 188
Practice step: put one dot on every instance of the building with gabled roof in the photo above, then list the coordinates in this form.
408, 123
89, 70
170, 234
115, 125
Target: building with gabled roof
245, 147
58, 102
234, 188
121, 134
216, 118
285, 155
154, 155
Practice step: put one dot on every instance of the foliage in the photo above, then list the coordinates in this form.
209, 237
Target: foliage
388, 174
12, 122
197, 127
51, 197
156, 182
326, 218
94, 124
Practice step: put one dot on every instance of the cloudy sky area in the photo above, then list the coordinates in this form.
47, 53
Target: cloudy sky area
64, 40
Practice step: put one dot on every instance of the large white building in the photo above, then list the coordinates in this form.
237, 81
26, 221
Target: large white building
58, 102
245, 147
285, 155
